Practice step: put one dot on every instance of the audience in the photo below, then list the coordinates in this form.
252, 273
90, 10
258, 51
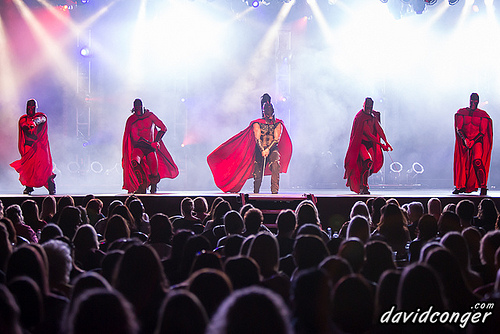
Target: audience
124, 272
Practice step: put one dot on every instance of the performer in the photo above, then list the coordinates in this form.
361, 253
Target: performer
145, 159
264, 146
364, 154
473, 143
35, 165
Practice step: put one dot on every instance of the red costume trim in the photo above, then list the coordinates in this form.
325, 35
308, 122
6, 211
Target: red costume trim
232, 163
462, 164
353, 163
35, 165
166, 165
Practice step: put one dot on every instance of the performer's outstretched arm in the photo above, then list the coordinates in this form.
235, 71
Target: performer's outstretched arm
380, 131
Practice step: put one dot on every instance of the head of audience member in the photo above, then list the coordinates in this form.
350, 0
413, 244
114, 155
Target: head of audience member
427, 248
487, 214
85, 238
455, 289
233, 223
465, 211
456, 244
60, 264
161, 229
360, 208
94, 206
243, 271
187, 207
359, 228
473, 238
387, 291
206, 259
123, 210
307, 213
335, 267
194, 245
102, 311
265, 251
352, 298
86, 281
15, 214
69, 220
434, 207
49, 232
310, 296
9, 317
28, 261
309, 251
233, 245
489, 245
140, 277
64, 201
116, 228
182, 312
30, 301
31, 213
251, 310
448, 221
245, 208
377, 205
9, 226
312, 229
286, 223
415, 211
216, 201
48, 209
378, 258
137, 210
452, 207
253, 219
110, 262
211, 286
420, 288
6, 248
200, 207
353, 251
427, 228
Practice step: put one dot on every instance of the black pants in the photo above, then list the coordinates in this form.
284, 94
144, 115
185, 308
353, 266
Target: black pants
273, 161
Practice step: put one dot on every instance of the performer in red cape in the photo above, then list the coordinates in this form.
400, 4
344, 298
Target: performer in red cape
473, 143
145, 158
364, 154
35, 165
264, 141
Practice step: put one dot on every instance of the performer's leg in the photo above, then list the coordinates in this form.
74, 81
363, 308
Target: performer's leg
479, 167
154, 177
28, 190
275, 167
365, 170
257, 172
139, 171
51, 185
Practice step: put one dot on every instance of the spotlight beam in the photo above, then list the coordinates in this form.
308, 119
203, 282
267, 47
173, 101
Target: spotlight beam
52, 50
137, 48
8, 82
262, 54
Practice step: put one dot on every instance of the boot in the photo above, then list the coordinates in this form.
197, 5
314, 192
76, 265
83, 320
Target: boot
28, 190
51, 185
154, 179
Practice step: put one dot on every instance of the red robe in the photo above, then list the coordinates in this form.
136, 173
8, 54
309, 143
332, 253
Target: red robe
35, 165
353, 163
232, 163
166, 165
462, 164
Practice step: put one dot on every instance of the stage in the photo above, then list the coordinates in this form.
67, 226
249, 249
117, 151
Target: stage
333, 205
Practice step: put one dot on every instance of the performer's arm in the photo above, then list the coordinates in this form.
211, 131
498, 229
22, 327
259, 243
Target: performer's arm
39, 120
159, 124
256, 133
380, 131
459, 123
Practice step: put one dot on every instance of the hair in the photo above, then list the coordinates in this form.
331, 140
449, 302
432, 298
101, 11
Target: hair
465, 209
286, 221
253, 220
233, 223
60, 261
307, 212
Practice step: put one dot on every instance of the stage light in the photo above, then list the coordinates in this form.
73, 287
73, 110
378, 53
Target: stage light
453, 2
384, 1
96, 167
396, 167
255, 3
85, 52
430, 2
84, 1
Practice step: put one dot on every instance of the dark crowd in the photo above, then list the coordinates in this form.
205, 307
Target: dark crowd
67, 268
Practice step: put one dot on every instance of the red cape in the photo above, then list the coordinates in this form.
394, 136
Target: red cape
232, 163
35, 165
353, 163
166, 165
463, 167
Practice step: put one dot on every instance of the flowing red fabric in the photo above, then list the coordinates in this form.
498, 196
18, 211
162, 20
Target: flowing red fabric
353, 163
166, 165
464, 174
35, 165
232, 163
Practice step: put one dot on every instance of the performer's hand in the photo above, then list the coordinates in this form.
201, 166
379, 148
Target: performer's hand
469, 143
388, 147
265, 153
155, 145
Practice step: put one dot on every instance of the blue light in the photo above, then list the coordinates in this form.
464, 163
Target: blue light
85, 52
255, 3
